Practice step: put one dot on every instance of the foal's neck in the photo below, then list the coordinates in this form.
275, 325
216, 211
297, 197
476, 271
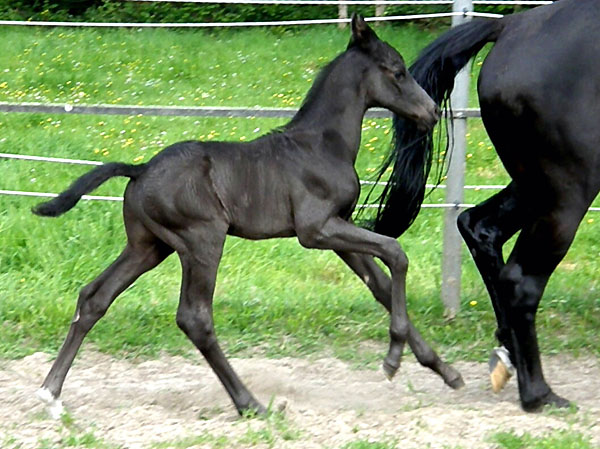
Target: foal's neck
336, 101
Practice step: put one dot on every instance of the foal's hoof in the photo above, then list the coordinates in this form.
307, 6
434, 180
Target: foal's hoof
253, 409
54, 405
501, 368
389, 370
455, 380
551, 399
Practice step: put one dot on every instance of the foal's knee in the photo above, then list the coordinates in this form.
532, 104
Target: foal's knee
399, 259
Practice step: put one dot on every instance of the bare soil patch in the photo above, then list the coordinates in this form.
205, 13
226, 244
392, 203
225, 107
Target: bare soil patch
135, 404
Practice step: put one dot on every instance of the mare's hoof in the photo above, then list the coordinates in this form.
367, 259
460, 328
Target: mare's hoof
54, 405
551, 399
389, 370
501, 368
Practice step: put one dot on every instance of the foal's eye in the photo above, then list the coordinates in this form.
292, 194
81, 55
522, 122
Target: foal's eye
399, 74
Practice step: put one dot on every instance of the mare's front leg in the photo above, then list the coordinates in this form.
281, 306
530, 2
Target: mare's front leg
338, 234
539, 249
380, 285
200, 258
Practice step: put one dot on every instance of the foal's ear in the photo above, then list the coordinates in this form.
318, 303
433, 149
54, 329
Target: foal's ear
362, 34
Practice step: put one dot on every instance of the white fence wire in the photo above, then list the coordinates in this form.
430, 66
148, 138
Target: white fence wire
118, 198
237, 24
39, 23
211, 111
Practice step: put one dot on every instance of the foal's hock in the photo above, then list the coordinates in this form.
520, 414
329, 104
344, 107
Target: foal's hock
298, 181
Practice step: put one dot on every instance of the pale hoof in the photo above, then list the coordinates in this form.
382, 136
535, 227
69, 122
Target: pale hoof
501, 369
54, 405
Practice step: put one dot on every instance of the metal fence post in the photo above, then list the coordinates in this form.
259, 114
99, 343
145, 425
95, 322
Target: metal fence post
451, 261
342, 14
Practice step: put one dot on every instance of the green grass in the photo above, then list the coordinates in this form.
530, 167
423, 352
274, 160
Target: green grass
273, 296
566, 439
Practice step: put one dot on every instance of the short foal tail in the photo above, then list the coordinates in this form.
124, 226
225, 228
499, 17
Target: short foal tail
412, 154
85, 184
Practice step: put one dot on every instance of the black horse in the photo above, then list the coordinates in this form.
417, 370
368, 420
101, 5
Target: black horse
539, 90
297, 181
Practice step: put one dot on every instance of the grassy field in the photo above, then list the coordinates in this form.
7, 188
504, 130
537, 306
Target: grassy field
272, 296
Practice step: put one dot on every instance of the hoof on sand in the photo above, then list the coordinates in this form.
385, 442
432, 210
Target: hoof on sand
456, 383
551, 399
389, 370
501, 369
54, 405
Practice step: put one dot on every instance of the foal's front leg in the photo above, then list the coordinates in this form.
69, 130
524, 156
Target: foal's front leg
380, 285
339, 235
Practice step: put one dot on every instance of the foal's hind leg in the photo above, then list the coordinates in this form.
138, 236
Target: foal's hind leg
199, 261
94, 300
381, 287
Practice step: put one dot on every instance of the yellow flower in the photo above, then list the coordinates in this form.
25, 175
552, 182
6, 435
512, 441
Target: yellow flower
473, 303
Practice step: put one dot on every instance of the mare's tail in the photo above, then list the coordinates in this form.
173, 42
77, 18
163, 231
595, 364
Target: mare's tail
412, 153
85, 184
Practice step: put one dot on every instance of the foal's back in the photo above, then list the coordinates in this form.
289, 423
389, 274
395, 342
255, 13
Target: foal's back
253, 187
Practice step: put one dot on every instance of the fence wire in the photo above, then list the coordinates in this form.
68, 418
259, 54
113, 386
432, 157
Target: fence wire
230, 112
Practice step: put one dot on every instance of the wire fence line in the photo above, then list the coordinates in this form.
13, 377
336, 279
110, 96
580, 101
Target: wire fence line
358, 206
228, 111
60, 160
381, 18
41, 23
185, 111
118, 198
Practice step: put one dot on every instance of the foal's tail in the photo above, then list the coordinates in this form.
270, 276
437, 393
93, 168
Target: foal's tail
412, 154
85, 184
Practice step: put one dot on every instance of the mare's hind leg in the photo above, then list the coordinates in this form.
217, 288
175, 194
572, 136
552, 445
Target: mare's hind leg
540, 247
485, 228
381, 287
200, 260
141, 254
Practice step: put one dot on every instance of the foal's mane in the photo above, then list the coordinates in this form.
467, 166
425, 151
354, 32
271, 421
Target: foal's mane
314, 93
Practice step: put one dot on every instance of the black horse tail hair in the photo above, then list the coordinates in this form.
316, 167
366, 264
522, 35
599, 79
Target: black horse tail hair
413, 150
85, 184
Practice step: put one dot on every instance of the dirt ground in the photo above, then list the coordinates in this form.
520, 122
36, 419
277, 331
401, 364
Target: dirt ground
177, 402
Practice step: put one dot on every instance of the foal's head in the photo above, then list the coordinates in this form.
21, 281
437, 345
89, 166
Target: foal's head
388, 82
